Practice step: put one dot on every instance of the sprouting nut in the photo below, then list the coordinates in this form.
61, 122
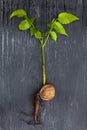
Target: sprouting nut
47, 92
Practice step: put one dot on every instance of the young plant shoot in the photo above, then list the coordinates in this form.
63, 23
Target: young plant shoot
47, 91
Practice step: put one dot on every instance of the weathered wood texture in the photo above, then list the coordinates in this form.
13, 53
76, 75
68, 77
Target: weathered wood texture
20, 67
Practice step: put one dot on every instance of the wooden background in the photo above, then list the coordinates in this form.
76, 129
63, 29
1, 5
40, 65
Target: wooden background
20, 67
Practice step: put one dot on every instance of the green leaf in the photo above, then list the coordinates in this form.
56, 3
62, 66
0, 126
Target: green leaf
38, 35
53, 36
33, 30
24, 25
66, 18
18, 13
31, 20
58, 27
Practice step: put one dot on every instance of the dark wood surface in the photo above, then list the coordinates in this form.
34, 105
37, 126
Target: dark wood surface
21, 72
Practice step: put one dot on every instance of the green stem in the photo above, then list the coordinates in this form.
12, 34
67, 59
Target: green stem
43, 65
43, 44
47, 38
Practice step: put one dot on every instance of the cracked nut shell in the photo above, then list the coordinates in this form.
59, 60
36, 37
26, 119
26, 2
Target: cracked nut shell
47, 92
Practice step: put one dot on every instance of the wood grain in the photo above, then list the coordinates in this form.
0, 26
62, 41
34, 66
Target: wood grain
20, 67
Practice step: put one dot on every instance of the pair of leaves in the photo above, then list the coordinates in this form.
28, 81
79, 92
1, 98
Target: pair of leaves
63, 18
58, 27
34, 31
24, 24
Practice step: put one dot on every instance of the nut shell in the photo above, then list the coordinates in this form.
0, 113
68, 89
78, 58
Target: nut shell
47, 92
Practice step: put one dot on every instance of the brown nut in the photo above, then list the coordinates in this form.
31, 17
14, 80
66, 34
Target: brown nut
47, 92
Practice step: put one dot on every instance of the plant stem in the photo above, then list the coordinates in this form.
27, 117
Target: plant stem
47, 38
43, 44
43, 65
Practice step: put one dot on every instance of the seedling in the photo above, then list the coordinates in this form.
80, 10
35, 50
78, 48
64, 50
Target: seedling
47, 91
